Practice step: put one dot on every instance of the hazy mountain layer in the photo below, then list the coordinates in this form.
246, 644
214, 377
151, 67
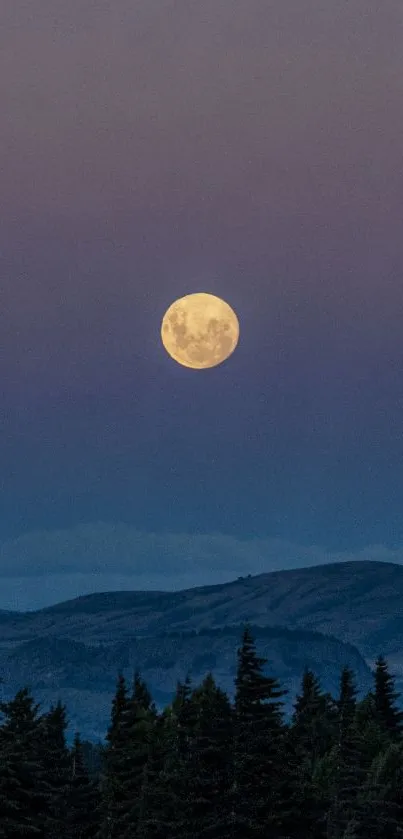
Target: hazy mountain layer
84, 677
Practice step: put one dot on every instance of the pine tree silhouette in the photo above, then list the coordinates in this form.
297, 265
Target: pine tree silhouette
385, 700
258, 734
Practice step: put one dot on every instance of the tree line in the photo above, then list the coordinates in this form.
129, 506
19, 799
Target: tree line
206, 767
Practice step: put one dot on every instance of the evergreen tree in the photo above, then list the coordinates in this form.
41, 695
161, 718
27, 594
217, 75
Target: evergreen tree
209, 769
314, 721
114, 758
385, 700
371, 733
343, 786
55, 769
141, 694
344, 761
23, 800
160, 806
82, 798
310, 737
138, 723
346, 703
125, 757
183, 715
258, 738
180, 722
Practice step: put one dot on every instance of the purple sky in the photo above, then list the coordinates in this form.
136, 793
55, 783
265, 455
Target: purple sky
152, 149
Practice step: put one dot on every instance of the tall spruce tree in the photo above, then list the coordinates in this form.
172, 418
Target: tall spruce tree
82, 798
346, 703
181, 722
344, 761
183, 716
389, 716
310, 736
258, 810
125, 757
55, 769
139, 720
23, 794
160, 805
165, 795
304, 809
114, 760
369, 730
210, 766
314, 721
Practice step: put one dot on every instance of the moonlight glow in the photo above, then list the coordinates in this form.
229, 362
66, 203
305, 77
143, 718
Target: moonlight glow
200, 330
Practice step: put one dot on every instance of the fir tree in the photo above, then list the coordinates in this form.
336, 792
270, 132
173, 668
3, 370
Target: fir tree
138, 722
183, 714
23, 800
141, 694
346, 703
113, 765
344, 761
258, 735
210, 770
119, 708
310, 737
314, 721
55, 769
82, 798
159, 806
369, 729
180, 721
385, 700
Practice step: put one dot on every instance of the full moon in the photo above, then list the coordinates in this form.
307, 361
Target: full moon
200, 330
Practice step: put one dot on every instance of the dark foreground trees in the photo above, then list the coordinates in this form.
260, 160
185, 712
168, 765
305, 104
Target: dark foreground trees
209, 768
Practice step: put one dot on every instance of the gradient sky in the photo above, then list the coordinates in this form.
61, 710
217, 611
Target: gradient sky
154, 148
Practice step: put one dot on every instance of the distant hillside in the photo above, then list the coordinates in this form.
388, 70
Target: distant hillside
358, 602
84, 677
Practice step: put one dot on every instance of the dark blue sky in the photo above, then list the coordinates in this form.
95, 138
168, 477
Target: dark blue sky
151, 150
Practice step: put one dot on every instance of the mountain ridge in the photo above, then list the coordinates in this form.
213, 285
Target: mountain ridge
357, 602
125, 594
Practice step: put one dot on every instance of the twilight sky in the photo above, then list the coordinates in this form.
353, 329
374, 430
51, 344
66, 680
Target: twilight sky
150, 149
